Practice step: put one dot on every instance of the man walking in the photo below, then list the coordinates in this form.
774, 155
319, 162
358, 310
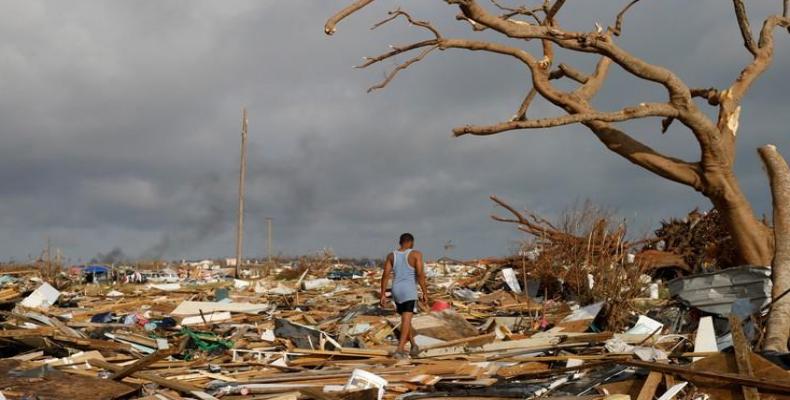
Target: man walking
407, 267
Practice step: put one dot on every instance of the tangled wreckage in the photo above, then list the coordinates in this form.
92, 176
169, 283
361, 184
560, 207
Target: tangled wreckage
577, 312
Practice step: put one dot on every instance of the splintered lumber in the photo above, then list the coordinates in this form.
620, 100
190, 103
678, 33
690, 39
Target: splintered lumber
54, 384
521, 369
742, 356
161, 381
95, 344
139, 364
538, 342
768, 384
198, 307
20, 333
344, 352
651, 385
523, 344
471, 341
445, 325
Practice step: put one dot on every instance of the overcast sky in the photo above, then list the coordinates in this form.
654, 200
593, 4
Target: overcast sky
120, 120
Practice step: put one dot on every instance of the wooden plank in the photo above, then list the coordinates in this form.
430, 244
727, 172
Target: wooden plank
95, 344
472, 341
55, 384
20, 333
521, 369
345, 353
721, 376
651, 385
139, 364
743, 356
158, 379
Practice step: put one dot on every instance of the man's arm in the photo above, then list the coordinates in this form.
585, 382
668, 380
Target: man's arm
385, 277
420, 269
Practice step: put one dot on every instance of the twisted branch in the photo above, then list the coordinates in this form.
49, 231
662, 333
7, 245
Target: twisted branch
641, 111
743, 24
329, 27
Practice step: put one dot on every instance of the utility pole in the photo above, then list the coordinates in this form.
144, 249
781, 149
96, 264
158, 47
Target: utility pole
242, 173
269, 239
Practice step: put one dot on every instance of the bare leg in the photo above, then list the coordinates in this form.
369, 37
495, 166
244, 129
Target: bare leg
405, 330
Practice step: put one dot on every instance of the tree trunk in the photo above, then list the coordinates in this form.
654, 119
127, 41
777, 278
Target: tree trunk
752, 239
778, 328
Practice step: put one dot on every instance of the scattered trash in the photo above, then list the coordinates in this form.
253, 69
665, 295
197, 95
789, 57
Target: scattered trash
296, 334
361, 379
43, 297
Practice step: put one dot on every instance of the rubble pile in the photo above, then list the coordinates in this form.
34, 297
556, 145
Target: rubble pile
311, 337
701, 239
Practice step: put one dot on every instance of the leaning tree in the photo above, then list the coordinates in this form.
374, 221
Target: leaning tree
712, 175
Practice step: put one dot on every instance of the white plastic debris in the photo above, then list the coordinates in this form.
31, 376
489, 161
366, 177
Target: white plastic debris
466, 294
167, 287
268, 335
705, 341
313, 284
511, 280
43, 297
586, 312
240, 284
653, 291
205, 318
115, 293
673, 391
359, 329
361, 379
644, 326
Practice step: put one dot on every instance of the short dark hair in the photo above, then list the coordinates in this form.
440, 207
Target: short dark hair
406, 238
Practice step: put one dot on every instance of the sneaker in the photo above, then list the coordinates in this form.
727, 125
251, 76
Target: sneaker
400, 355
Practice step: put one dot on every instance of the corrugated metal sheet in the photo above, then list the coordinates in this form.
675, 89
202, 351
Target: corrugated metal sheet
716, 291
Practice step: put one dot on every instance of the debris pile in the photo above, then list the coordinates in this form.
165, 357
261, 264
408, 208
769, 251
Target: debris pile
579, 312
311, 337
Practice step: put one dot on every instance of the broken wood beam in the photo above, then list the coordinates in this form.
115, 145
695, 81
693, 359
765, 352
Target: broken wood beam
742, 356
139, 364
739, 379
158, 379
648, 390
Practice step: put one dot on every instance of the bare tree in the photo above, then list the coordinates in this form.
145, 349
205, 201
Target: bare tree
778, 327
712, 175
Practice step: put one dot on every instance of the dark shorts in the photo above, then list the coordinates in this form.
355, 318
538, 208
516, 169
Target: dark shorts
406, 306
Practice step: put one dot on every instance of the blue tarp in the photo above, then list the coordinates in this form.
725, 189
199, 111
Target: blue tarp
96, 269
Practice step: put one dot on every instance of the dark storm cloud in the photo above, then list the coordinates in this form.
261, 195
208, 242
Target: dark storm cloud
120, 127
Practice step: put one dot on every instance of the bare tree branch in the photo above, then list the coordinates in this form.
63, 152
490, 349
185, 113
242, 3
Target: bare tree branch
743, 24
555, 8
522, 10
584, 42
628, 113
329, 27
713, 175
761, 62
594, 84
573, 73
618, 24
710, 94
617, 141
398, 12
395, 51
521, 114
533, 224
676, 170
391, 75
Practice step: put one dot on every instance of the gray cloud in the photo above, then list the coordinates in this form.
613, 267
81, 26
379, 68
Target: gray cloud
121, 127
